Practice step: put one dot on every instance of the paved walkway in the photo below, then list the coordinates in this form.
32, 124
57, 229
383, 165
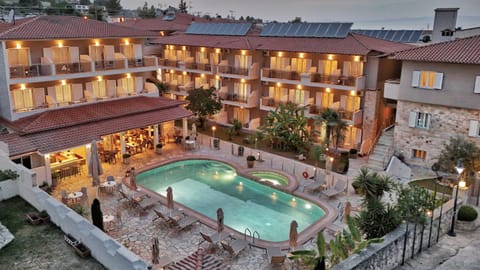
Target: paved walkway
459, 253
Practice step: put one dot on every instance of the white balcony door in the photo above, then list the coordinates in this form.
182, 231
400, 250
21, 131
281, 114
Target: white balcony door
301, 65
242, 90
63, 93
279, 63
243, 61
328, 67
18, 57
326, 100
22, 99
99, 89
296, 96
354, 69
242, 115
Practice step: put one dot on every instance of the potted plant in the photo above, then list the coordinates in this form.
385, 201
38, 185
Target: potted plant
44, 216
466, 218
126, 158
250, 161
158, 148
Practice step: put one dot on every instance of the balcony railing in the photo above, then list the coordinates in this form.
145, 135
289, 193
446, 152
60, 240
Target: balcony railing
281, 74
233, 70
392, 89
332, 79
233, 97
198, 66
34, 70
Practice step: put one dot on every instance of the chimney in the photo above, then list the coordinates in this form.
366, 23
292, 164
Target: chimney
444, 24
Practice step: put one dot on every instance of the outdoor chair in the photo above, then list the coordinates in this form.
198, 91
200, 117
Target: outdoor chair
338, 188
234, 247
65, 199
84, 198
182, 223
318, 184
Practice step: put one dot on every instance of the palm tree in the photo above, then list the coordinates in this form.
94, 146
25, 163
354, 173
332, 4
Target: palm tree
335, 126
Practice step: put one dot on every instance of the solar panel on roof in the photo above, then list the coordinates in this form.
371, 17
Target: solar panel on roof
228, 29
320, 30
403, 36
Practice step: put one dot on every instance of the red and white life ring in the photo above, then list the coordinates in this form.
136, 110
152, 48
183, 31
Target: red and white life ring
305, 174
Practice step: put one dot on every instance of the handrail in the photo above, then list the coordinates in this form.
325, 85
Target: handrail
245, 233
253, 236
372, 146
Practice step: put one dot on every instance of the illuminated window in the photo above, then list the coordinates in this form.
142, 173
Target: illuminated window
427, 79
419, 154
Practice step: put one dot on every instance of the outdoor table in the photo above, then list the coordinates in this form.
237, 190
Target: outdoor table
75, 196
190, 144
107, 221
109, 186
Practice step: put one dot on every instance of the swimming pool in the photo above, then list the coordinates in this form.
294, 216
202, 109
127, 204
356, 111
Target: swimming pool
205, 185
274, 178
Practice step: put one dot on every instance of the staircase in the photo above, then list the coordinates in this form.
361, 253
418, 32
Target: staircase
382, 151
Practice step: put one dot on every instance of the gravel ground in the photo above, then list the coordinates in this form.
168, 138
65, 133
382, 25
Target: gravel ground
36, 246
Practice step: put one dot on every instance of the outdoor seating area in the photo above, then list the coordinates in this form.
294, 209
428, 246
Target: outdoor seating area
128, 210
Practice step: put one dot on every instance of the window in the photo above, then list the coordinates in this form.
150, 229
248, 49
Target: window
419, 120
476, 87
419, 154
474, 130
427, 79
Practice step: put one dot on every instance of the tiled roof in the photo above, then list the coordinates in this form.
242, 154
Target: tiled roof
459, 51
68, 27
352, 44
66, 128
180, 23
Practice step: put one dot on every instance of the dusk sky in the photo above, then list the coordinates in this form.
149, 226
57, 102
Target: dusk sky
373, 14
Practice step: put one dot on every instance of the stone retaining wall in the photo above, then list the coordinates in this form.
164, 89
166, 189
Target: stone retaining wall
388, 255
103, 248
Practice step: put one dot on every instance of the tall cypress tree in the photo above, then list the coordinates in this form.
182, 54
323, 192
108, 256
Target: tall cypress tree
97, 215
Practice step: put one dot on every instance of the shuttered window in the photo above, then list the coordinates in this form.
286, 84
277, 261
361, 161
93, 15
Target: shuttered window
476, 88
419, 120
427, 80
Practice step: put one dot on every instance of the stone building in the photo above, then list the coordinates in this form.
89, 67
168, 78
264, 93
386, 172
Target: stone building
438, 97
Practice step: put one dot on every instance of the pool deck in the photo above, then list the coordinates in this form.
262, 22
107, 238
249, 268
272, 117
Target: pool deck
137, 229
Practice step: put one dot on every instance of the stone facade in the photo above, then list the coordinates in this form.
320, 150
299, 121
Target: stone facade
445, 122
370, 111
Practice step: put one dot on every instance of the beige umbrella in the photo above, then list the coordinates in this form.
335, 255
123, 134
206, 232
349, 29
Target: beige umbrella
94, 165
219, 220
293, 237
170, 199
194, 131
155, 251
347, 210
133, 180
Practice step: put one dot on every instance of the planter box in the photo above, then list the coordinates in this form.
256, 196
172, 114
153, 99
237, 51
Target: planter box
33, 218
468, 226
81, 250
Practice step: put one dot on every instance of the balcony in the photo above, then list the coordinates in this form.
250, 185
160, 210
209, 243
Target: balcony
391, 89
351, 117
224, 70
34, 70
280, 74
239, 101
313, 79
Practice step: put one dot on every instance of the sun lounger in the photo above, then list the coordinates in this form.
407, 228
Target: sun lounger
319, 184
234, 247
146, 203
182, 223
275, 255
160, 215
215, 238
338, 188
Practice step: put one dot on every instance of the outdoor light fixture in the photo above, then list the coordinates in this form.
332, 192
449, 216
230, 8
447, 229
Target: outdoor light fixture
460, 170
213, 131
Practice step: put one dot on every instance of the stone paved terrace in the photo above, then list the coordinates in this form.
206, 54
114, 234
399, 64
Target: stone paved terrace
137, 229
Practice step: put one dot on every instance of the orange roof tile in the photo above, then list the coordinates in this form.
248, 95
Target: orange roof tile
68, 27
352, 44
459, 51
65, 128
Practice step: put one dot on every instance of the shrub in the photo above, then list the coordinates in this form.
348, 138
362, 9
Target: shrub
467, 213
159, 145
8, 174
126, 155
251, 158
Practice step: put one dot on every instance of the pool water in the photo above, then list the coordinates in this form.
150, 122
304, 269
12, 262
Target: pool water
272, 177
205, 185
